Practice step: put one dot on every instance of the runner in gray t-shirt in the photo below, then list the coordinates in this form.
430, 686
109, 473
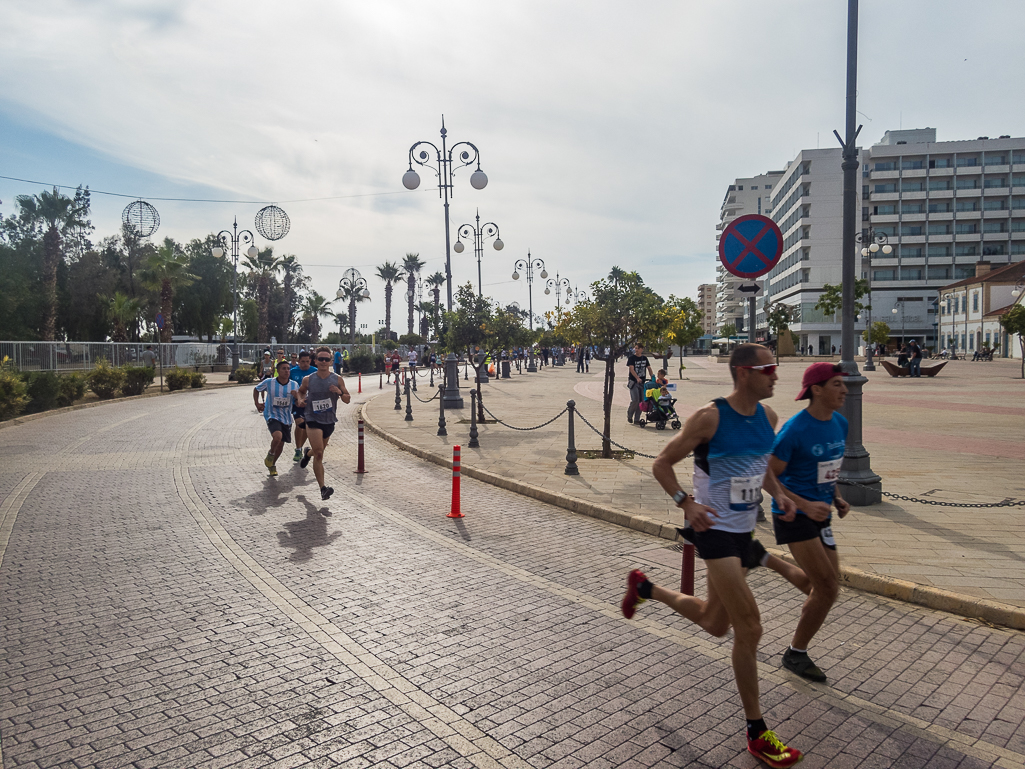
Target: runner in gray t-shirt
319, 394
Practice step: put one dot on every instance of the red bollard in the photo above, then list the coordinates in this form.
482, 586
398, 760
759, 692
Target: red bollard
455, 512
380, 382
687, 570
359, 382
361, 467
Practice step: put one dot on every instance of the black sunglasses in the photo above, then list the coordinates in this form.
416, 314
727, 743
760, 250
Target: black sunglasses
323, 360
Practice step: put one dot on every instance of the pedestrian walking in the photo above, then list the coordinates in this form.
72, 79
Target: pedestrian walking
279, 395
806, 457
731, 439
396, 364
149, 358
639, 370
580, 359
337, 360
319, 394
297, 374
914, 359
587, 360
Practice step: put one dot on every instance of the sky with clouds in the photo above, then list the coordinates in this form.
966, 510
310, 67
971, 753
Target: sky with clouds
609, 131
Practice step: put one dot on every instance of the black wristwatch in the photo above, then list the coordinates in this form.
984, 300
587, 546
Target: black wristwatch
679, 497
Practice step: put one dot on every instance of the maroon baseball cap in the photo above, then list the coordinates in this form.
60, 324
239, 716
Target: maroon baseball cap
816, 374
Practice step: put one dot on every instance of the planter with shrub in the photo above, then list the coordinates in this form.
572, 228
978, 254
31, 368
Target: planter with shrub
105, 380
137, 379
71, 388
245, 375
178, 379
13, 392
361, 361
197, 380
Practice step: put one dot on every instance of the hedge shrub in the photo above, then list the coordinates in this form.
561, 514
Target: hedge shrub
197, 379
178, 379
137, 379
43, 390
71, 388
105, 380
13, 393
361, 360
245, 375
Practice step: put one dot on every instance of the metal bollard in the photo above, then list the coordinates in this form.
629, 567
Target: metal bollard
455, 512
441, 404
398, 395
380, 382
409, 404
359, 382
571, 450
361, 467
432, 376
474, 443
413, 376
687, 570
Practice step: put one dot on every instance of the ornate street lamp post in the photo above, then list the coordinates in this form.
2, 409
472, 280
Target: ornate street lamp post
559, 284
231, 242
444, 165
894, 311
479, 234
351, 285
875, 240
528, 265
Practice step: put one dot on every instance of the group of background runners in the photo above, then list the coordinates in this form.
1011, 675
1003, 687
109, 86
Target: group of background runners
307, 397
737, 454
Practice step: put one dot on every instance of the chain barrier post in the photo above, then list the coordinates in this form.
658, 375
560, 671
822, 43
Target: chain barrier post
571, 449
455, 512
441, 406
361, 467
432, 376
398, 395
409, 404
474, 443
412, 374
687, 570
380, 382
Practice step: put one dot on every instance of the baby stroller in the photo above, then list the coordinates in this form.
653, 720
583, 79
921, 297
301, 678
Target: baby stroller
658, 408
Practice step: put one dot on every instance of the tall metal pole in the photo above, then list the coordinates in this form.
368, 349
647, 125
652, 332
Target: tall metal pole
856, 468
446, 183
478, 247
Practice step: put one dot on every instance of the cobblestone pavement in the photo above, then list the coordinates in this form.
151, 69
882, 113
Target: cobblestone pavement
164, 603
955, 438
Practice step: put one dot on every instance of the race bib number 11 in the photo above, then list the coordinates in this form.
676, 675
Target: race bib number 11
745, 492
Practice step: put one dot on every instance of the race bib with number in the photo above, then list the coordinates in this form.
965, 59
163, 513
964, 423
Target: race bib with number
281, 403
829, 472
745, 492
322, 405
827, 536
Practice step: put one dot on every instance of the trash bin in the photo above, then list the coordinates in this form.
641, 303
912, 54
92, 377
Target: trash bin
506, 374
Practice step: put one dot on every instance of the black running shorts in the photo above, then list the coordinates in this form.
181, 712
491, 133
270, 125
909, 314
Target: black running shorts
327, 429
803, 528
276, 426
299, 415
714, 543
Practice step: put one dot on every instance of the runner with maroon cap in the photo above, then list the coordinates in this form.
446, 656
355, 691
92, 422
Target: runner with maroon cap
806, 457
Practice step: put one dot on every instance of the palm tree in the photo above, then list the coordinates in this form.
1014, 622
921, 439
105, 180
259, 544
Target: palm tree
264, 266
292, 269
390, 273
353, 295
60, 215
412, 265
341, 319
617, 275
167, 270
123, 312
436, 281
426, 311
317, 308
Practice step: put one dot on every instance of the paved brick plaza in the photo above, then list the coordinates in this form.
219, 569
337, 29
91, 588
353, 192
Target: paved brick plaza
164, 603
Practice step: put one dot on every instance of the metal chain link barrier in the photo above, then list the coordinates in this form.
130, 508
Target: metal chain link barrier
617, 445
522, 429
421, 399
937, 503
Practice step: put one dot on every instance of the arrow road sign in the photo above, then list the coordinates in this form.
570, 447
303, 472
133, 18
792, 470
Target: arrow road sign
747, 290
750, 246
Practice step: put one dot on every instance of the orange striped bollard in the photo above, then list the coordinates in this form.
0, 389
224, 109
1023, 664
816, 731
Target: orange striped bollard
456, 464
361, 467
359, 382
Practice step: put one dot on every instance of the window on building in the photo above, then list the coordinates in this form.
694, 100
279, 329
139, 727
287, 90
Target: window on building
968, 205
1017, 202
967, 228
993, 182
1018, 225
971, 341
939, 163
997, 226
966, 249
941, 184
888, 165
912, 208
962, 271
911, 230
995, 204
938, 273
740, 187
936, 251
962, 341
889, 187
971, 183
884, 210
940, 207
987, 338
1018, 181
1018, 158
994, 249
975, 301
912, 185
883, 274
963, 161
1018, 247
939, 228
957, 304
911, 165
993, 159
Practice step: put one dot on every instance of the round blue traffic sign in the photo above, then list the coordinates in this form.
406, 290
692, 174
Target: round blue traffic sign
750, 246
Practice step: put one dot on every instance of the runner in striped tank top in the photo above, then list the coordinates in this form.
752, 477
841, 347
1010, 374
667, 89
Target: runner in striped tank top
731, 439
277, 410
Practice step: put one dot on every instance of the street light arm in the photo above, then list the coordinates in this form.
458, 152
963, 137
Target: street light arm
423, 157
465, 157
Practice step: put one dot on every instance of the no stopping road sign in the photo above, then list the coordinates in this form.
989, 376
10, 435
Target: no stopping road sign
750, 246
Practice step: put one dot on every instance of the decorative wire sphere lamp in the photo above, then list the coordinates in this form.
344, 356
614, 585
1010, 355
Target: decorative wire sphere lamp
141, 217
272, 222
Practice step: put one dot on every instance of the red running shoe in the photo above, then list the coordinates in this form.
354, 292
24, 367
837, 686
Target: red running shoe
631, 600
769, 749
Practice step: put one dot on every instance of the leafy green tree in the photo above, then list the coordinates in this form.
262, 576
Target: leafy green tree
411, 265
880, 333
831, 300
21, 301
468, 330
82, 315
291, 271
1013, 322
617, 315
729, 331
318, 307
199, 310
391, 274
778, 317
58, 217
682, 323
123, 312
263, 267
167, 271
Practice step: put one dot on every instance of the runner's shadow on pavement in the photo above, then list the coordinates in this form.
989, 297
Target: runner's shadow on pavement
304, 536
275, 493
961, 537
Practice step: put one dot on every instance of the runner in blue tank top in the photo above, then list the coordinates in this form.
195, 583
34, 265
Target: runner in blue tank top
806, 458
731, 439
